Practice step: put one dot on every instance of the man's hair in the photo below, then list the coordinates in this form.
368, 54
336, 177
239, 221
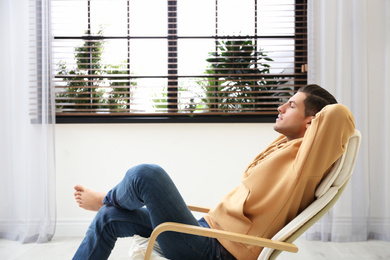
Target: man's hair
316, 99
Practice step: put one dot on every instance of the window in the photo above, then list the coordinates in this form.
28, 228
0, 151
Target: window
177, 61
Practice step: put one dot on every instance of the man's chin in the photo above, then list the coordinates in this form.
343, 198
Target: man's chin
276, 128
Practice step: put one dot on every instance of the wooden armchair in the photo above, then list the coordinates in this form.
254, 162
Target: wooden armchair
327, 193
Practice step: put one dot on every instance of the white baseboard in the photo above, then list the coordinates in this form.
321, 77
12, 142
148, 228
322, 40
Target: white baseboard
72, 228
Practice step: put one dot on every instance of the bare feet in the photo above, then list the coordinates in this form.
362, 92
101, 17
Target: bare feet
88, 199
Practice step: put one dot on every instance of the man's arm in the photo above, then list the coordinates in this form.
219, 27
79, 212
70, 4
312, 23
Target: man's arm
325, 139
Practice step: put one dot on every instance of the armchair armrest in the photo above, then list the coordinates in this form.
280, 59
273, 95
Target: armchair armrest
201, 231
198, 209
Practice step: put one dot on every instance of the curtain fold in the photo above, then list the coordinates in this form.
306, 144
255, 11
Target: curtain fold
27, 160
349, 54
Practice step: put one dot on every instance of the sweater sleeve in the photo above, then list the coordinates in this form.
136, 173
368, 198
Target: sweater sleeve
325, 140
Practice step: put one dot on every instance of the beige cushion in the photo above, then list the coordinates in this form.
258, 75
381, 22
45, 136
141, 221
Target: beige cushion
342, 168
138, 249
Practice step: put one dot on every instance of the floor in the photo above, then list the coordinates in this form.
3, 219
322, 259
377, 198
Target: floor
64, 248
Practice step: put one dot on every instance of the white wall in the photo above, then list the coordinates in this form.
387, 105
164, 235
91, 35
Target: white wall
204, 160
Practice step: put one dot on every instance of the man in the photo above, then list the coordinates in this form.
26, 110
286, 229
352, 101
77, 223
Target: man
278, 184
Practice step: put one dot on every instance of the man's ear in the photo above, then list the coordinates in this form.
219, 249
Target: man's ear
308, 120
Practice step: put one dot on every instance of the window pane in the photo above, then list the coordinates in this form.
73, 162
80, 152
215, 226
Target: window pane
196, 18
192, 65
109, 16
148, 18
236, 17
281, 51
150, 96
115, 51
148, 57
276, 18
193, 54
70, 19
148, 63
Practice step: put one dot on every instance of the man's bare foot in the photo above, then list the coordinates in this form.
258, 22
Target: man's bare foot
88, 199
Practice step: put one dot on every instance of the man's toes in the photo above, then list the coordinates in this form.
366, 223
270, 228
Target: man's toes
79, 187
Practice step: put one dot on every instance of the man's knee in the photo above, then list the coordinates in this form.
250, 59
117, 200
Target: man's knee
146, 172
102, 217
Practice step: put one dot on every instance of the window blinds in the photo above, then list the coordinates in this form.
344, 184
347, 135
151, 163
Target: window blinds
177, 58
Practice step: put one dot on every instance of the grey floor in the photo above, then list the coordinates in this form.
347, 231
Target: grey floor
64, 248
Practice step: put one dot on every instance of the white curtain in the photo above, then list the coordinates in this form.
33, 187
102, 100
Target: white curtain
27, 185
349, 54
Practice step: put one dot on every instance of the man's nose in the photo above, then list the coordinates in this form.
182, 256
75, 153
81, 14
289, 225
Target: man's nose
281, 108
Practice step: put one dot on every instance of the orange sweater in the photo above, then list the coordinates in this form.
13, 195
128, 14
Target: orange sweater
281, 181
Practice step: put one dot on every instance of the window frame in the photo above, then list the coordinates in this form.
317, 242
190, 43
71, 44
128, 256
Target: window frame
300, 62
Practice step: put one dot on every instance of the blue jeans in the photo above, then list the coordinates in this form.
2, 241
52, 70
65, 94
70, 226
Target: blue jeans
145, 198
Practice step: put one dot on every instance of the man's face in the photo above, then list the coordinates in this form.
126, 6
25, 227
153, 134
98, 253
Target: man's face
291, 121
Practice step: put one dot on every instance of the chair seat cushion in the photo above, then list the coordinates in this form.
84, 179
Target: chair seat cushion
138, 248
342, 169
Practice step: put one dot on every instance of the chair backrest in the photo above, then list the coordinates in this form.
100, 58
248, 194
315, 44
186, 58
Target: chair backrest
327, 193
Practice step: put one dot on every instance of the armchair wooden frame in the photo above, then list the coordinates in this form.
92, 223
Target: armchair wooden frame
328, 192
201, 231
